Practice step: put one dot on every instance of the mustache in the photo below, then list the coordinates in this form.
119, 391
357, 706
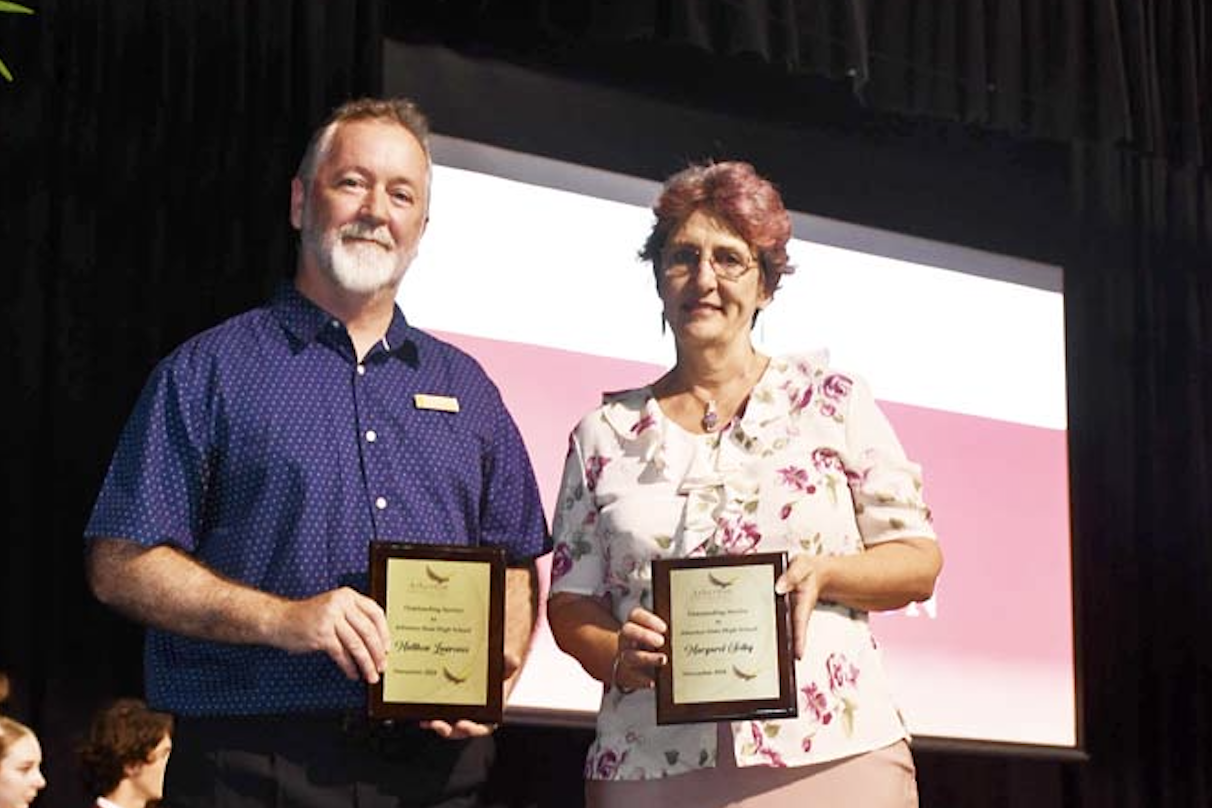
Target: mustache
357, 230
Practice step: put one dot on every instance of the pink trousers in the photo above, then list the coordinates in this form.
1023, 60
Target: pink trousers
884, 778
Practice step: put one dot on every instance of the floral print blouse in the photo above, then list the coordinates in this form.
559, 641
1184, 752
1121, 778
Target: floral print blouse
812, 466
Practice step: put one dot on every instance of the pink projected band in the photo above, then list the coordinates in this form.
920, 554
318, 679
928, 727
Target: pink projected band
990, 657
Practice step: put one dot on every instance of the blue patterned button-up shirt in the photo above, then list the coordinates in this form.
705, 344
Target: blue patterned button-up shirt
264, 449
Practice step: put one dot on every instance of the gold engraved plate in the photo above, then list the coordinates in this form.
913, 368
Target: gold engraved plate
729, 639
445, 613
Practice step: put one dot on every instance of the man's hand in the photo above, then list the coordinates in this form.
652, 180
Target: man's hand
163, 587
459, 729
344, 624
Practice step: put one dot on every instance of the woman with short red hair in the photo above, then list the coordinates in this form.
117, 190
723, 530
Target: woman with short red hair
734, 452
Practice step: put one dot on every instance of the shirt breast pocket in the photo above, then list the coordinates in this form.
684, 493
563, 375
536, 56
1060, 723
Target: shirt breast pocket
440, 453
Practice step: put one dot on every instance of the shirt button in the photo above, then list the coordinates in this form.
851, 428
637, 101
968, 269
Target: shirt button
361, 370
370, 436
334, 323
381, 503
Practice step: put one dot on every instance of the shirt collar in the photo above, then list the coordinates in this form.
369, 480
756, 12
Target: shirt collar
304, 321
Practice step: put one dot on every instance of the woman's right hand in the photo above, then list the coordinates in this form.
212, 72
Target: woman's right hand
638, 655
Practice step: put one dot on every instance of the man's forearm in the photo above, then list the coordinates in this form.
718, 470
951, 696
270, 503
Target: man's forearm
521, 610
167, 589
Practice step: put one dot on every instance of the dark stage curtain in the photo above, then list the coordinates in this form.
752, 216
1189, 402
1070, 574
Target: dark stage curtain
1140, 322
1133, 71
146, 150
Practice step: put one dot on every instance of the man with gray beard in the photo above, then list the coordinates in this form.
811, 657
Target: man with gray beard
262, 458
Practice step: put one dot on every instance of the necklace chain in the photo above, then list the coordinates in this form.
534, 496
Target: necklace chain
711, 412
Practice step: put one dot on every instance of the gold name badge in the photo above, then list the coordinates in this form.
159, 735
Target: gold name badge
426, 401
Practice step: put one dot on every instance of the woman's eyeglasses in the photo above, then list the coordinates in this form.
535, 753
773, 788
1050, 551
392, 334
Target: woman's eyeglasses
726, 263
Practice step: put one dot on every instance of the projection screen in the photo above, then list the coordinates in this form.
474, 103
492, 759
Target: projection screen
530, 265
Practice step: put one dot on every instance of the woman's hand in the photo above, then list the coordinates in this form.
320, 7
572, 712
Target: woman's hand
883, 577
803, 581
638, 654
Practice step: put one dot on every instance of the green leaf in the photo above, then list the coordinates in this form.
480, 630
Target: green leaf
771, 730
11, 8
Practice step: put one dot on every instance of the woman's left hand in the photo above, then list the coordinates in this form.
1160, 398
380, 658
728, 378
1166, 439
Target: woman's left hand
803, 581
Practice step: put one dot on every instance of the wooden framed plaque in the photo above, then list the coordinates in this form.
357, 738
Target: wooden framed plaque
728, 639
445, 609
